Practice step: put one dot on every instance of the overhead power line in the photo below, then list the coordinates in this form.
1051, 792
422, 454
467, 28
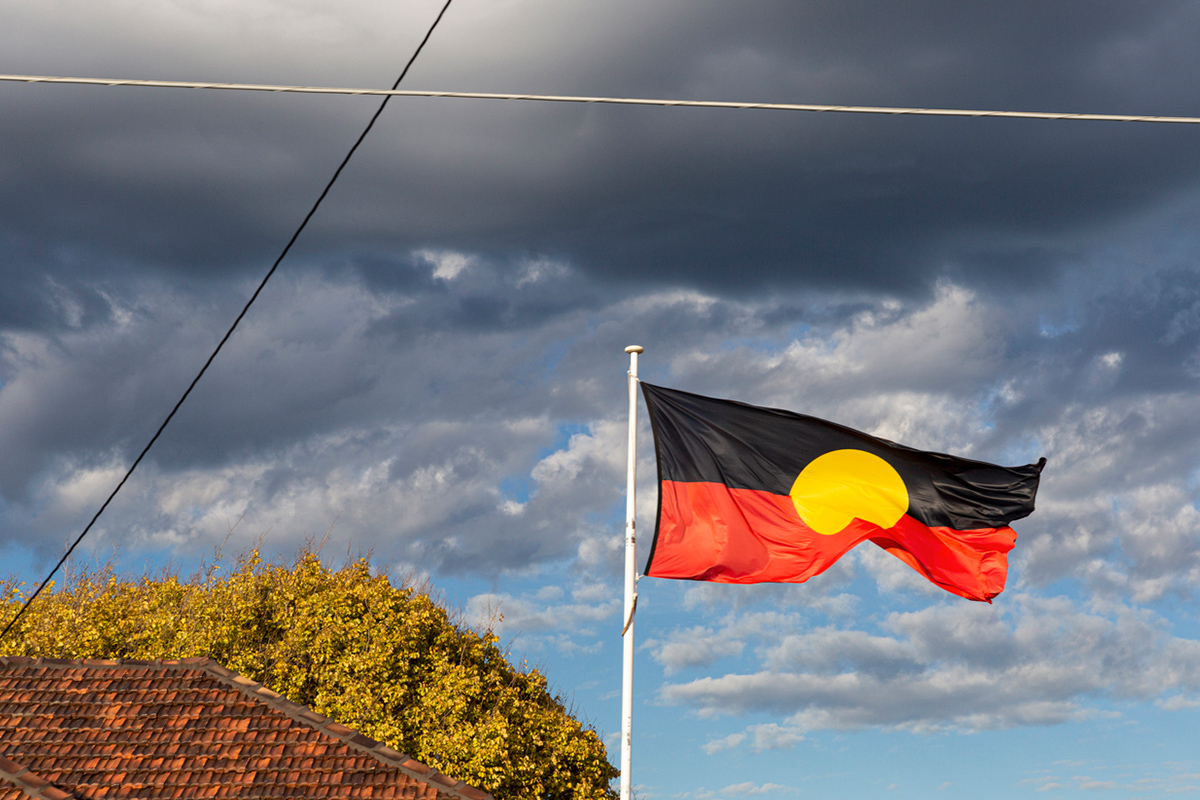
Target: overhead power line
262, 285
622, 101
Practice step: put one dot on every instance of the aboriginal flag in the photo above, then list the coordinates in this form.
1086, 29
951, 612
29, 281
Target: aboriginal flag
758, 495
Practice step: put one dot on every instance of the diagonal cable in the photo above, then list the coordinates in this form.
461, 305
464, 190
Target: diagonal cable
262, 284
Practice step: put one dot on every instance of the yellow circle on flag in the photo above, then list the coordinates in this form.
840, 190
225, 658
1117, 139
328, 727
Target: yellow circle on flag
842, 485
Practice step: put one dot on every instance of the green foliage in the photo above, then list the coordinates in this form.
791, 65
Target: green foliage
389, 662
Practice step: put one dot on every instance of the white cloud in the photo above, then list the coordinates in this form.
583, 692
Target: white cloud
1139, 778
883, 371
1177, 702
446, 265
959, 666
540, 270
1086, 783
751, 789
730, 742
771, 736
701, 646
537, 622
694, 647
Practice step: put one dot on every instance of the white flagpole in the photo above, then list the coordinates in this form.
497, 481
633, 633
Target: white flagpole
630, 578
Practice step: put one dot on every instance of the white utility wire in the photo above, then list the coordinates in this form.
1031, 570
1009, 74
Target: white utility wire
625, 101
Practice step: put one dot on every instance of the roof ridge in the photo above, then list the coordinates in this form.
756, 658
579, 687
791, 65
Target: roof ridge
31, 783
293, 710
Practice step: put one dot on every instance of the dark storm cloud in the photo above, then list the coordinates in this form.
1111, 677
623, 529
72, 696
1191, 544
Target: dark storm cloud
133, 180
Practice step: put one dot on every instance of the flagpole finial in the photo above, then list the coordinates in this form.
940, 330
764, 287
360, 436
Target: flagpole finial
635, 348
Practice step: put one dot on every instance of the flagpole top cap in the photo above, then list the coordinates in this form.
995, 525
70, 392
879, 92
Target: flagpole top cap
635, 348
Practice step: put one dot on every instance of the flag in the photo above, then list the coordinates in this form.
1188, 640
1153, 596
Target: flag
758, 495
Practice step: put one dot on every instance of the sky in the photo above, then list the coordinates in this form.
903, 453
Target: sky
436, 375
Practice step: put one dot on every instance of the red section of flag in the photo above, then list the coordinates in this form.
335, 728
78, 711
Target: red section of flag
710, 532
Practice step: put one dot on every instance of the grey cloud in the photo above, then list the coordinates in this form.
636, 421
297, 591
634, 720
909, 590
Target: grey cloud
310, 412
958, 667
831, 650
414, 380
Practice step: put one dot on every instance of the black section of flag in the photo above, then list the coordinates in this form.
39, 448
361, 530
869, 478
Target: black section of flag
703, 439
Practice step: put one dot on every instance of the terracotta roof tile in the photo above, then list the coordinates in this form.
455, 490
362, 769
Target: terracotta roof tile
186, 728
17, 782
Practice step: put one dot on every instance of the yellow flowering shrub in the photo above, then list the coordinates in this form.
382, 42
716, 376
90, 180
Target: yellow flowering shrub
387, 661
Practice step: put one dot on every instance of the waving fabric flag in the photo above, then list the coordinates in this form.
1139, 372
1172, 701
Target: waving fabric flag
756, 495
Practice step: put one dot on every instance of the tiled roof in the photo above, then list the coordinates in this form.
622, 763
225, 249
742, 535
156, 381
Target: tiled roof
93, 729
18, 783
